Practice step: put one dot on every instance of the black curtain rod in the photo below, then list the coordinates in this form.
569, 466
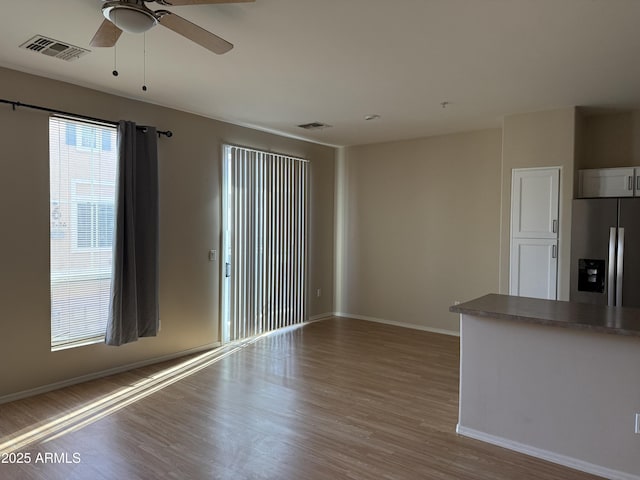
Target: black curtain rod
166, 133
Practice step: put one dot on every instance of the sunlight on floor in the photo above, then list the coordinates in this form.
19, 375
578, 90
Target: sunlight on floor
109, 404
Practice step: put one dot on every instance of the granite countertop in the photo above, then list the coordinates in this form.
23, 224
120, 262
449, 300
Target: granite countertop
595, 318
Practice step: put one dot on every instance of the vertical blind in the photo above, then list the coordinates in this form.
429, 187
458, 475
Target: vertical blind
82, 160
265, 223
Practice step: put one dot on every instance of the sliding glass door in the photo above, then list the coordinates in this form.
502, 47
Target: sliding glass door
264, 249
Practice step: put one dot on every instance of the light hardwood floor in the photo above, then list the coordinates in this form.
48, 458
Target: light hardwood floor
335, 399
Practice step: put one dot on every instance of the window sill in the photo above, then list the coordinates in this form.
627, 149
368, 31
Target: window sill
78, 343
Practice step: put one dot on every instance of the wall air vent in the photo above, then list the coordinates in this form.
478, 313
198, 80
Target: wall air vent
314, 126
54, 48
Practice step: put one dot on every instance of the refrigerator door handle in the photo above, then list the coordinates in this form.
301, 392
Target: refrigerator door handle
612, 268
620, 269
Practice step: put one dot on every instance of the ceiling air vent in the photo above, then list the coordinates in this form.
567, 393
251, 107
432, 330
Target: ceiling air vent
314, 126
54, 48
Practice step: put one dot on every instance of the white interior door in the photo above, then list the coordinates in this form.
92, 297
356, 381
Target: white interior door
534, 267
534, 202
535, 195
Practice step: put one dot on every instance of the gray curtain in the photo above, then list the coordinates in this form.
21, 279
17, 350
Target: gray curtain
133, 311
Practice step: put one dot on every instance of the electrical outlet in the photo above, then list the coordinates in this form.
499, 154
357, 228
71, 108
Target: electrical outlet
456, 302
213, 255
319, 292
637, 430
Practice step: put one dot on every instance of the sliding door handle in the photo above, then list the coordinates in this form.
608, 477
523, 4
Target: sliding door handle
554, 251
554, 226
227, 270
638, 184
630, 183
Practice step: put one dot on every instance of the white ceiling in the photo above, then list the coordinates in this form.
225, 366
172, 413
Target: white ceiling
335, 61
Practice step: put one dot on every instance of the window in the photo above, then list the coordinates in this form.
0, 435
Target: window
82, 196
87, 136
94, 225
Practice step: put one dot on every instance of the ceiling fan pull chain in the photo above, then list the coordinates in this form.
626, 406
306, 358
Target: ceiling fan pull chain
144, 63
115, 61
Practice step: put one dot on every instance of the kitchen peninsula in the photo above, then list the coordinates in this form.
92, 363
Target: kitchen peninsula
556, 380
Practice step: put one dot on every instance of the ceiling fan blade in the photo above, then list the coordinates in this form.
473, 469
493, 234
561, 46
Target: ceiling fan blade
106, 36
195, 33
198, 2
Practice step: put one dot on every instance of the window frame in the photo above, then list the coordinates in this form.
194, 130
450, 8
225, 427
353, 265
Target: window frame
66, 194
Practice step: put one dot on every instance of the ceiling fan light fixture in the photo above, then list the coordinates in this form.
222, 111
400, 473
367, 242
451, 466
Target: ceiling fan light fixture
130, 19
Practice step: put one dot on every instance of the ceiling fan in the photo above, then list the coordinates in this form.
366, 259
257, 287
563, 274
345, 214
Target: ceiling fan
133, 16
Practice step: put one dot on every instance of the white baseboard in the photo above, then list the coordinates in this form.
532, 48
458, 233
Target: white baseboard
103, 373
321, 316
546, 455
399, 324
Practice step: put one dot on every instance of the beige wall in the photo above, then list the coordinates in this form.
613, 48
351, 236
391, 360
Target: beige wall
418, 227
608, 139
190, 226
539, 139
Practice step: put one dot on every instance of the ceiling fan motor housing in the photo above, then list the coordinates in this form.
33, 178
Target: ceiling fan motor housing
130, 16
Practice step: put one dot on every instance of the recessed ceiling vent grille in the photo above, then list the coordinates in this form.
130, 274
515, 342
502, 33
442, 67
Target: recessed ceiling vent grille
314, 126
54, 48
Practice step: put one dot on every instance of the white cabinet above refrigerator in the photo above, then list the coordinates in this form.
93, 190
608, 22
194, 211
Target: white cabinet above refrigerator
609, 182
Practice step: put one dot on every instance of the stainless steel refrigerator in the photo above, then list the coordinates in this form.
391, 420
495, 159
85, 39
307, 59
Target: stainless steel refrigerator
605, 251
